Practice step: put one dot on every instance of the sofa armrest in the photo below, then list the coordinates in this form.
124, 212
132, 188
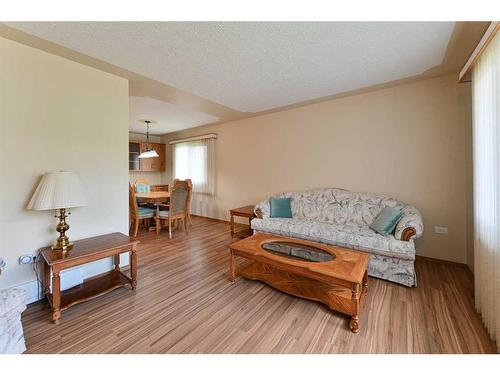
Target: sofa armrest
410, 226
263, 209
12, 301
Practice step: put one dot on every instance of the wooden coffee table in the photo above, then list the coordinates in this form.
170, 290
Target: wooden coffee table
332, 275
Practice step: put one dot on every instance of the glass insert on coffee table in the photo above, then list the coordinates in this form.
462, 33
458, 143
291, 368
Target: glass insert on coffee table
335, 276
298, 251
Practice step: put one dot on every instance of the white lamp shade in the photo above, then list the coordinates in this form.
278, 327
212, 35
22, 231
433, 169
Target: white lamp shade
58, 190
149, 154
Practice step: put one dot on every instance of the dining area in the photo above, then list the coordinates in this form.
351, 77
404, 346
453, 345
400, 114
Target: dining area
154, 207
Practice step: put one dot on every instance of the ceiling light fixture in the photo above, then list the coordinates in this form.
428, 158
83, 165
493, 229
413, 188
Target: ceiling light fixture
149, 152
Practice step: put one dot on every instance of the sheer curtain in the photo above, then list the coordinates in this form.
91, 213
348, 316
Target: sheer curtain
196, 160
486, 145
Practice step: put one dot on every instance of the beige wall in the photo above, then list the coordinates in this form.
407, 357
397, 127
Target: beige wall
408, 141
56, 114
155, 178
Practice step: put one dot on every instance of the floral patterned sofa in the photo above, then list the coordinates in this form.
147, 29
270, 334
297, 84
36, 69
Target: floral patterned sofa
12, 304
340, 217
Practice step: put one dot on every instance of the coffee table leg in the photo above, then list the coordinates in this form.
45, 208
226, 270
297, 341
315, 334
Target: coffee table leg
232, 272
355, 308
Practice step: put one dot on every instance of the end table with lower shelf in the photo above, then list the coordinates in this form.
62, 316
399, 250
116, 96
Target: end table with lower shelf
86, 251
245, 211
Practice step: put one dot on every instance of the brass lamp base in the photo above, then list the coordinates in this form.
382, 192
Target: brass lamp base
62, 247
63, 244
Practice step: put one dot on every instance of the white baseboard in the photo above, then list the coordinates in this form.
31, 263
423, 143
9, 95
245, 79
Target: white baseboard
69, 278
32, 292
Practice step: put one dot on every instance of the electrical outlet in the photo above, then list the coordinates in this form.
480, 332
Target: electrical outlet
27, 259
441, 230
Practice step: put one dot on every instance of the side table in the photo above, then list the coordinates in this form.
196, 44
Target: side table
86, 251
245, 211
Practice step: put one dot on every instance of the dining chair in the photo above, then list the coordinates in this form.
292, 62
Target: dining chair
177, 210
190, 198
159, 187
187, 184
136, 213
142, 185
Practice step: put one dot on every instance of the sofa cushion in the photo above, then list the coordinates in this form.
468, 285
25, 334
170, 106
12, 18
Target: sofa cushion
352, 236
281, 207
385, 222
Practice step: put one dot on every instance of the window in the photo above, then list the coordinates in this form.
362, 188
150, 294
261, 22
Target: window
486, 146
195, 159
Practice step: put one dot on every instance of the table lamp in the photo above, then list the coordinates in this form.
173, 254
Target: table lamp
59, 191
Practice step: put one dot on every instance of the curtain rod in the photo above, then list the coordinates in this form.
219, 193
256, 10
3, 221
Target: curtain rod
197, 138
481, 46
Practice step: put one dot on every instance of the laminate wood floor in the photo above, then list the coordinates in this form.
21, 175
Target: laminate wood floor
185, 304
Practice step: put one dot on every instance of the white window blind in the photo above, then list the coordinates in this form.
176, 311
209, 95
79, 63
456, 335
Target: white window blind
196, 160
486, 146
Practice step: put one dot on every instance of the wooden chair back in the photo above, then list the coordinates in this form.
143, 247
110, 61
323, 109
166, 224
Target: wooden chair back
178, 207
132, 202
190, 198
187, 184
141, 181
182, 183
159, 187
179, 200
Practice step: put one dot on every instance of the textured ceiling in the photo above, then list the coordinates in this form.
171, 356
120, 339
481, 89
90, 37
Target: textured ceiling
257, 66
167, 117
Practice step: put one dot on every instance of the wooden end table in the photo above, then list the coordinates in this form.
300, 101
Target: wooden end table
245, 211
332, 275
86, 251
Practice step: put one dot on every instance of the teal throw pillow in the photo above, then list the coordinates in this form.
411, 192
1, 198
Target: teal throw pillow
385, 222
281, 207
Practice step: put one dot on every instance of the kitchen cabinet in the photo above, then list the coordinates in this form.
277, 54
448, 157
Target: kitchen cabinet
146, 164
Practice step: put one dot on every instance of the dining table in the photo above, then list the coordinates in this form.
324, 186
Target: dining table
153, 196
